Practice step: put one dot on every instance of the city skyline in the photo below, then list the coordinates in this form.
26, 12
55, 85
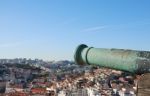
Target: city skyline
51, 30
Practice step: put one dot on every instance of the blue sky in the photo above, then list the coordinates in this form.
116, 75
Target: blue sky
52, 29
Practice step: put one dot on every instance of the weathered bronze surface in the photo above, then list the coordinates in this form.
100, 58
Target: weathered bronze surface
126, 60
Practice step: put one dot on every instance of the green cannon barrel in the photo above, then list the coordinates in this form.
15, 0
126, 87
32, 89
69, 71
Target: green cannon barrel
126, 60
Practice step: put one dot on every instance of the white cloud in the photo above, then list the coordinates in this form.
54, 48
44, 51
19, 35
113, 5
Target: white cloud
5, 45
93, 29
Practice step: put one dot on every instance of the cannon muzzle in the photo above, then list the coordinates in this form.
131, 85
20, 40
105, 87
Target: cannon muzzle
125, 60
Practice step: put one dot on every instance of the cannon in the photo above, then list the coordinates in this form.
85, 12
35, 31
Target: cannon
133, 61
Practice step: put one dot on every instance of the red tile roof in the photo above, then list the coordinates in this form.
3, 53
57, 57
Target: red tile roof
38, 90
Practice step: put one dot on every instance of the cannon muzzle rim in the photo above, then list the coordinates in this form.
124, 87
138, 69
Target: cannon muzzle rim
77, 56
